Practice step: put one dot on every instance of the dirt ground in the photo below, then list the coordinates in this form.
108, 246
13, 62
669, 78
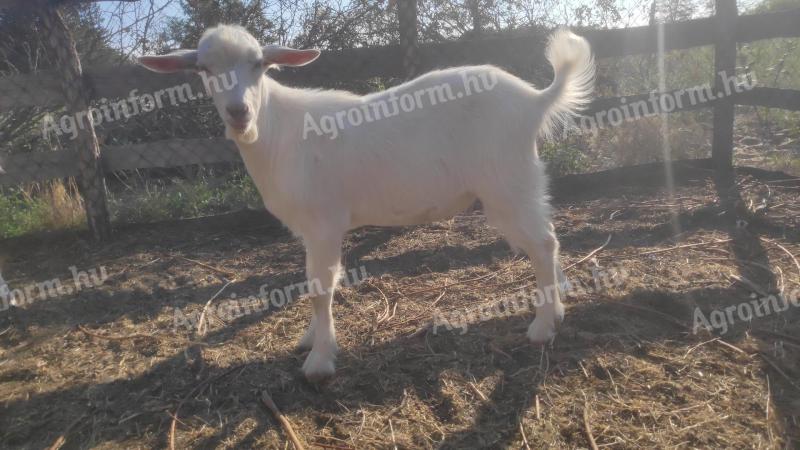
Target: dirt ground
106, 367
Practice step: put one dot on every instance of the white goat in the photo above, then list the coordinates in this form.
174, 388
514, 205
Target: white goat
424, 163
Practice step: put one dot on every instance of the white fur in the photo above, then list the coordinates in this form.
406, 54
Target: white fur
412, 168
4, 292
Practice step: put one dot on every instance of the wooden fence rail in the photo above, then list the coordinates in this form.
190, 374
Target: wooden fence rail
518, 54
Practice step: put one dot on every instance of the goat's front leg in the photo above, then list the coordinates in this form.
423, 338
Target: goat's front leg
322, 269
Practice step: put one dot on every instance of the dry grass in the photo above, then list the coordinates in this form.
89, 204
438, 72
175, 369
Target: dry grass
65, 205
632, 375
53, 205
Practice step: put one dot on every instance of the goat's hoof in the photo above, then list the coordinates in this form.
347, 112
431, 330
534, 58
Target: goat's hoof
318, 368
542, 331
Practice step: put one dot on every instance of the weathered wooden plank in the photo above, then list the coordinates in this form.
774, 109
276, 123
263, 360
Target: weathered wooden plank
115, 82
652, 104
37, 166
784, 24
771, 98
644, 40
697, 98
346, 65
171, 153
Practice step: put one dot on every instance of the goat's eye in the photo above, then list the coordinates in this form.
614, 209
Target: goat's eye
258, 65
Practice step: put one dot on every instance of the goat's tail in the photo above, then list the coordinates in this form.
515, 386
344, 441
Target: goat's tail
572, 61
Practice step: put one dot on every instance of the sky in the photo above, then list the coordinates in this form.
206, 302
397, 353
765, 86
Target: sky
123, 19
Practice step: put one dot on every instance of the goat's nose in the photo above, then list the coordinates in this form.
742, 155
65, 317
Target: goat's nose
238, 112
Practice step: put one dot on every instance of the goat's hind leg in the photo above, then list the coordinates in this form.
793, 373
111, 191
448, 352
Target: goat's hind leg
530, 230
543, 252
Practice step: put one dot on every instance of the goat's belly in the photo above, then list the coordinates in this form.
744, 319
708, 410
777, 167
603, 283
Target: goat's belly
424, 210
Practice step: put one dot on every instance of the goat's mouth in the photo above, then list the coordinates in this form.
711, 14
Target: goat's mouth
239, 126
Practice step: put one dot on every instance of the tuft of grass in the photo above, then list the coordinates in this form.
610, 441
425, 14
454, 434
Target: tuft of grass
179, 198
563, 158
49, 206
57, 206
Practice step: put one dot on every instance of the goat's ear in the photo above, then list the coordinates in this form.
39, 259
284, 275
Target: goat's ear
285, 56
172, 62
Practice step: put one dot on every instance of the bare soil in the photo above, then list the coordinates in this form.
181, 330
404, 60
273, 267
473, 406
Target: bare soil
626, 364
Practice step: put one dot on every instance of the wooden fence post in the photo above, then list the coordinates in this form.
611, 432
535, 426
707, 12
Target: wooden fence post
724, 74
91, 181
407, 21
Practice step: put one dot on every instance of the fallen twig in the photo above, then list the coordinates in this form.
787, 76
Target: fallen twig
682, 325
758, 289
478, 391
785, 250
227, 273
116, 338
456, 283
394, 441
499, 351
201, 323
693, 348
287, 427
697, 244
338, 447
530, 277
586, 426
590, 255
732, 347
524, 438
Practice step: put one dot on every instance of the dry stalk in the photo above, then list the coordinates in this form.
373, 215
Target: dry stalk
226, 273
524, 438
677, 247
590, 255
116, 338
586, 425
785, 250
287, 426
680, 324
201, 323
478, 391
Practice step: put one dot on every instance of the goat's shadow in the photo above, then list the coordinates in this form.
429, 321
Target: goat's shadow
417, 364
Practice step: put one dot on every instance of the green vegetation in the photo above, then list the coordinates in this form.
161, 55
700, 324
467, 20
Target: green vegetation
180, 198
56, 206
48, 206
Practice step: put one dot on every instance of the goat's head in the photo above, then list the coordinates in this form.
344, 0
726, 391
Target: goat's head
233, 65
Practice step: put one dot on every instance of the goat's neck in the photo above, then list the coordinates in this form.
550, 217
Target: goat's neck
269, 143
